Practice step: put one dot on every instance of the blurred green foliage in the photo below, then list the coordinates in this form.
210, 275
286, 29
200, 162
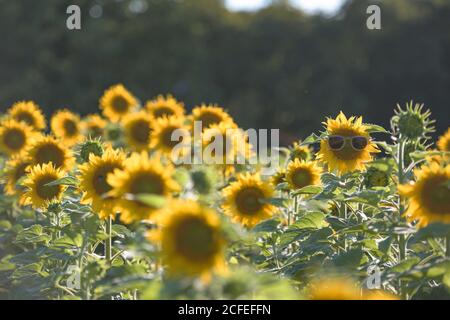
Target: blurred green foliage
274, 68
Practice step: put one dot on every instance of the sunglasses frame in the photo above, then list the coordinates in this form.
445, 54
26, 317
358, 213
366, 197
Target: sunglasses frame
345, 139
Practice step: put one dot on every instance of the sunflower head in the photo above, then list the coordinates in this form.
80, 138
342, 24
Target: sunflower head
279, 177
15, 137
117, 102
413, 123
297, 151
137, 130
246, 200
334, 288
66, 126
165, 107
93, 181
141, 175
204, 180
93, 126
375, 177
209, 115
354, 149
429, 195
29, 113
39, 194
168, 133
191, 239
89, 147
300, 174
444, 141
47, 149
15, 169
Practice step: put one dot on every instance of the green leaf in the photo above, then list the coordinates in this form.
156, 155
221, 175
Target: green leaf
33, 234
277, 202
267, 226
152, 200
373, 128
66, 181
350, 258
309, 190
405, 265
312, 220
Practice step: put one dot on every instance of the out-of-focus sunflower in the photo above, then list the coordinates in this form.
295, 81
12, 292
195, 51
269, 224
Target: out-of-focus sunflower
334, 288
165, 107
28, 112
245, 200
15, 169
117, 102
38, 194
66, 126
302, 153
444, 141
378, 295
351, 154
15, 136
137, 130
141, 175
46, 149
94, 126
300, 174
279, 177
191, 239
93, 181
209, 115
429, 195
162, 140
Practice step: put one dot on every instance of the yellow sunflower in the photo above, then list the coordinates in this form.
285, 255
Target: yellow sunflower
38, 194
46, 149
334, 288
117, 102
210, 115
15, 169
94, 126
165, 107
161, 136
66, 126
141, 175
245, 200
137, 130
191, 239
444, 141
278, 177
348, 146
378, 295
93, 181
429, 196
300, 174
15, 137
28, 112
299, 152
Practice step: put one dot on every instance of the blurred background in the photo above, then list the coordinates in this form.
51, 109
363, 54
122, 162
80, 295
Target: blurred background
272, 64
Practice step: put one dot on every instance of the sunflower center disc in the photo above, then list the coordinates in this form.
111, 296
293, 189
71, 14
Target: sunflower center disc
195, 239
47, 192
14, 139
120, 104
249, 200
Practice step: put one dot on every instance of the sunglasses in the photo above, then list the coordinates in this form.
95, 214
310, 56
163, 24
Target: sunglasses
337, 143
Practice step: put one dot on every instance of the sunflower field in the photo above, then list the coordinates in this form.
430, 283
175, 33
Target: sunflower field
98, 207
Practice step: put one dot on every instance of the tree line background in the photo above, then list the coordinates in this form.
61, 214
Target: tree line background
274, 68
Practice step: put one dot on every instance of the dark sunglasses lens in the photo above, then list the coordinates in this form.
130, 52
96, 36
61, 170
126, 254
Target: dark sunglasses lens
336, 142
359, 143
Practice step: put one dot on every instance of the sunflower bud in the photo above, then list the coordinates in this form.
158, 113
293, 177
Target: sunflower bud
413, 123
204, 180
91, 146
375, 177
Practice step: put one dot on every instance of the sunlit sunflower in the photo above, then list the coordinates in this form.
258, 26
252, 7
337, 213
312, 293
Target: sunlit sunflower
141, 175
15, 137
245, 200
137, 130
28, 112
117, 102
38, 194
165, 107
162, 139
334, 289
300, 174
66, 126
191, 239
93, 183
15, 169
348, 146
94, 126
46, 149
209, 115
278, 177
429, 196
444, 141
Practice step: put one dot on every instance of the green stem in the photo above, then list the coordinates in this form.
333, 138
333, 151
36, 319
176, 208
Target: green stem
447, 246
401, 238
108, 241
